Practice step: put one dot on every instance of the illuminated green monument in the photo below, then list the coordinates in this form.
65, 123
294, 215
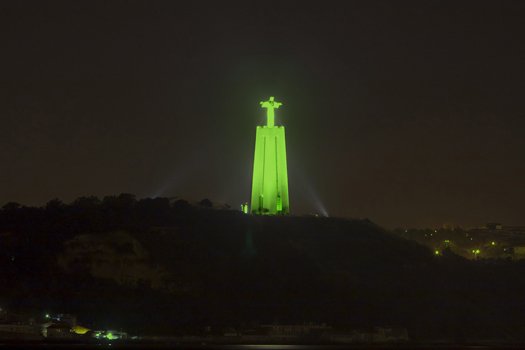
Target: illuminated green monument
270, 177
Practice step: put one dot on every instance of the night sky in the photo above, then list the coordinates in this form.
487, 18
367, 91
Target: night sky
406, 113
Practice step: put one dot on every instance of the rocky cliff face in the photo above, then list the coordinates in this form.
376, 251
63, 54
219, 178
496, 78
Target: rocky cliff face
115, 256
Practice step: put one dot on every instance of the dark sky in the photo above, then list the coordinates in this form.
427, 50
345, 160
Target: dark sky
407, 113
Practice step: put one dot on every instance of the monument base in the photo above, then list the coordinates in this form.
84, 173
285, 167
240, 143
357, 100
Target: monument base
270, 176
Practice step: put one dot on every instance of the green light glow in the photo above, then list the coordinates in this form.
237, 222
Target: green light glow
270, 176
270, 105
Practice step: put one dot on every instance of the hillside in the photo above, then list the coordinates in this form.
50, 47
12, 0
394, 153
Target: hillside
162, 267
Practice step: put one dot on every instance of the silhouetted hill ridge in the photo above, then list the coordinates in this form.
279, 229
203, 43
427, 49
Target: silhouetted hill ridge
156, 265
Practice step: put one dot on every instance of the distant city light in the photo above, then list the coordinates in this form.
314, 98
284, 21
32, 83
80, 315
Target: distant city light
97, 334
80, 330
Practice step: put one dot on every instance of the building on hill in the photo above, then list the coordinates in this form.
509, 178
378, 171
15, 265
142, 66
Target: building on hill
295, 330
59, 330
494, 226
376, 335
